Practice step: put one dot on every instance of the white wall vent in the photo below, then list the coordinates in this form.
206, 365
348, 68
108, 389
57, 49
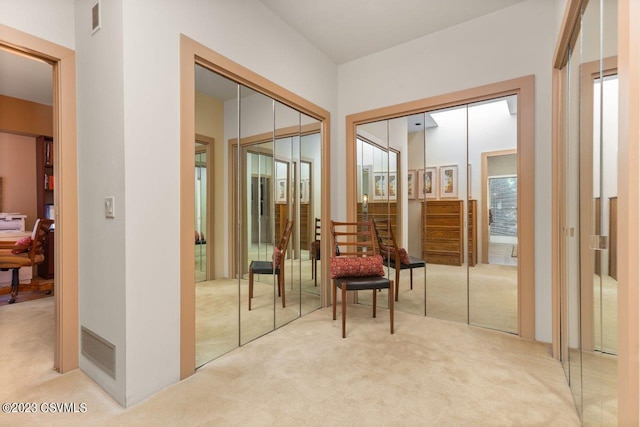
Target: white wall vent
100, 351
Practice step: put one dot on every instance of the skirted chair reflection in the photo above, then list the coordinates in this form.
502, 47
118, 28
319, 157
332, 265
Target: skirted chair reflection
315, 252
275, 266
393, 256
356, 266
26, 252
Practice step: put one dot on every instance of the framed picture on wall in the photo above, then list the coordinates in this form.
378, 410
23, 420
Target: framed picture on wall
411, 184
449, 181
281, 191
428, 183
380, 187
393, 186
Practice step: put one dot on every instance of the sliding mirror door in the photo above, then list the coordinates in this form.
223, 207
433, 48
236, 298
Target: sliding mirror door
598, 93
589, 216
493, 213
373, 203
216, 293
310, 220
444, 211
257, 210
287, 176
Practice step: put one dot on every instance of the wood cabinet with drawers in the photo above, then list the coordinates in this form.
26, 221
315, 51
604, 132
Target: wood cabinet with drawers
443, 232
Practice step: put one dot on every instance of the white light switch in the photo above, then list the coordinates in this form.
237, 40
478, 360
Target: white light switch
109, 209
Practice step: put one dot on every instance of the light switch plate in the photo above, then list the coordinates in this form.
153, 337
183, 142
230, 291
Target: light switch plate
109, 208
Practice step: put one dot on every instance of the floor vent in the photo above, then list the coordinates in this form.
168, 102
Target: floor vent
99, 351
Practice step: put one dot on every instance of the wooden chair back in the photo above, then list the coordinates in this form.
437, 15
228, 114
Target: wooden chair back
386, 240
39, 237
284, 239
353, 239
317, 237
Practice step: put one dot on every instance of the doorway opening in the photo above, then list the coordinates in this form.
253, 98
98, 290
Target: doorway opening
66, 351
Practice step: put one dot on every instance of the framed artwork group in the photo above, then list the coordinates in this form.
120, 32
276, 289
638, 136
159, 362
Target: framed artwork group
433, 182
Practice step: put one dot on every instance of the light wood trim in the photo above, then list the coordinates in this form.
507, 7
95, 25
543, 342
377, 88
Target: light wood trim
568, 32
524, 88
192, 52
485, 203
628, 220
187, 211
66, 351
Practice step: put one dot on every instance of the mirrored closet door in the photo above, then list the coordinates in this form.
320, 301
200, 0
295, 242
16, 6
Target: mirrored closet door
588, 215
446, 180
264, 194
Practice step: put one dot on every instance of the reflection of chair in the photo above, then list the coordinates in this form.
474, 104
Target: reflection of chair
356, 267
315, 253
394, 257
27, 255
276, 265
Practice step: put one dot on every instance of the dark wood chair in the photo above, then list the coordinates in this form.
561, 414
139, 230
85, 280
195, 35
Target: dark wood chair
276, 265
393, 256
31, 255
315, 252
354, 265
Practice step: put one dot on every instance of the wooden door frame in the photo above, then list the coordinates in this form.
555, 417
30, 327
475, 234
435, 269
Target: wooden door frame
524, 87
62, 59
485, 192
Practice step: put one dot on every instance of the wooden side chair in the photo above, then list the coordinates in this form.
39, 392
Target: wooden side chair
276, 265
356, 266
393, 256
24, 253
315, 252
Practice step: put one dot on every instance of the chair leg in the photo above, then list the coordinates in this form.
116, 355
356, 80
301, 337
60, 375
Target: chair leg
344, 310
315, 274
375, 303
397, 283
281, 285
391, 306
411, 276
335, 292
15, 284
250, 287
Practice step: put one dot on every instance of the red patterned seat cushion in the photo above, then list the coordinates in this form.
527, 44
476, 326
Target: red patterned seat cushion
388, 252
356, 266
21, 246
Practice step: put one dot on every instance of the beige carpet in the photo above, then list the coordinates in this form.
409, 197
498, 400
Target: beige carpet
430, 373
218, 310
491, 290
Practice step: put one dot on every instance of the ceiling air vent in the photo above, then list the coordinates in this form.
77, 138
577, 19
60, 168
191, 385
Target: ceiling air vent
95, 18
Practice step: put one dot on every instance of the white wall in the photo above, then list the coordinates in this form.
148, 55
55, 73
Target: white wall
509, 43
245, 32
52, 20
101, 173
